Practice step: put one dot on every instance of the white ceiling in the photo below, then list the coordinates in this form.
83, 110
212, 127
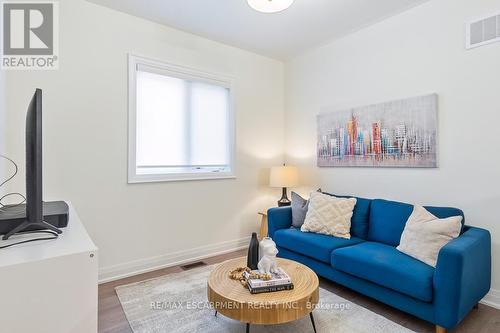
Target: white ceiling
306, 24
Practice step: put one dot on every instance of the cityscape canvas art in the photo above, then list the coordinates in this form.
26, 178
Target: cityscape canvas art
400, 133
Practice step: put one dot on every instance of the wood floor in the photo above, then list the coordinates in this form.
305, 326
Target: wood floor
112, 319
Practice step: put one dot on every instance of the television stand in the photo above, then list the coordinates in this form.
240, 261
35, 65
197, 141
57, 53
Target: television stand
27, 224
50, 286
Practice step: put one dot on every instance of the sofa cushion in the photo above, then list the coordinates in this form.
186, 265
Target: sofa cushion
299, 210
313, 245
425, 235
360, 216
384, 265
388, 219
329, 215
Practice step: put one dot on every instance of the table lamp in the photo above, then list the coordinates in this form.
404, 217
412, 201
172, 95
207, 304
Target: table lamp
284, 176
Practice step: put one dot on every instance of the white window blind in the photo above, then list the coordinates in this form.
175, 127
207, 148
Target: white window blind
181, 123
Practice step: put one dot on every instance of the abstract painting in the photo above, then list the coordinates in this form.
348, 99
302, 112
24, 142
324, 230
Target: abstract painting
400, 133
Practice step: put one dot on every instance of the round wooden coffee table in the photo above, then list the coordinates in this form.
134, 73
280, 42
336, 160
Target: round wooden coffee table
231, 299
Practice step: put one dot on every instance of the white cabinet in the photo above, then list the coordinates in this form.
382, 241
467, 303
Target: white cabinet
50, 286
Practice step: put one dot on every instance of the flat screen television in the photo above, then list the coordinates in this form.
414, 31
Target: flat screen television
34, 201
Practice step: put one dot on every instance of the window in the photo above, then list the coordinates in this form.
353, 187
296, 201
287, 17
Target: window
181, 123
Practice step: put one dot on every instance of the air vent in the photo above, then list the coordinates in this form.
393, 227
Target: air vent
193, 265
483, 31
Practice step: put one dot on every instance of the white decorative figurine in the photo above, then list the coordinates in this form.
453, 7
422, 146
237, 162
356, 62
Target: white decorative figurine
265, 241
267, 264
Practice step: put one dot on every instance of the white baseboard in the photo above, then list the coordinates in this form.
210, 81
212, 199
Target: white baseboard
116, 272
492, 299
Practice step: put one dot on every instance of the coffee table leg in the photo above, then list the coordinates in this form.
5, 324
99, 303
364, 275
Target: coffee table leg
312, 321
248, 328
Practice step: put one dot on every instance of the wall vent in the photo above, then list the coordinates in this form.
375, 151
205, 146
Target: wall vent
193, 265
483, 31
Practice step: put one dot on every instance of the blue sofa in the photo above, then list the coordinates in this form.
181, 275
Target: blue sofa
370, 264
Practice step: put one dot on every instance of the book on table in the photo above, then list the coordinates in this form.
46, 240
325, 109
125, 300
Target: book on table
280, 281
270, 289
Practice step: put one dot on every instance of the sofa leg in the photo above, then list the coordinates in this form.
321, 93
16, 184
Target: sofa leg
440, 329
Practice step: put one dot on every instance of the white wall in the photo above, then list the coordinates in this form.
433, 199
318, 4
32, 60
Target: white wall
418, 52
85, 140
3, 136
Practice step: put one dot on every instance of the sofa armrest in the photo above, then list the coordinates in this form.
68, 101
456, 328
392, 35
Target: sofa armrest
462, 276
278, 218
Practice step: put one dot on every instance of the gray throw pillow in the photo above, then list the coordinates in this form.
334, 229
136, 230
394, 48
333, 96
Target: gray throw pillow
299, 210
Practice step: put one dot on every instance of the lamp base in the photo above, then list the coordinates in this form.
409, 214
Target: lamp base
284, 201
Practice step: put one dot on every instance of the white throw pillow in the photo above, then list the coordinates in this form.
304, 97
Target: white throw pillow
329, 215
424, 235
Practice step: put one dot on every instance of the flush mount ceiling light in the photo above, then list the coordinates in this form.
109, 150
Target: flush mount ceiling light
270, 6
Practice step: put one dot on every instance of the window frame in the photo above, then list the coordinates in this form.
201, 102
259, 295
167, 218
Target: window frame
181, 72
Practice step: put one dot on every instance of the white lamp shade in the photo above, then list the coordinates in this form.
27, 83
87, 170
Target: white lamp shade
284, 176
270, 6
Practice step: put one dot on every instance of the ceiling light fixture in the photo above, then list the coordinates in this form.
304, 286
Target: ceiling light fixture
270, 6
